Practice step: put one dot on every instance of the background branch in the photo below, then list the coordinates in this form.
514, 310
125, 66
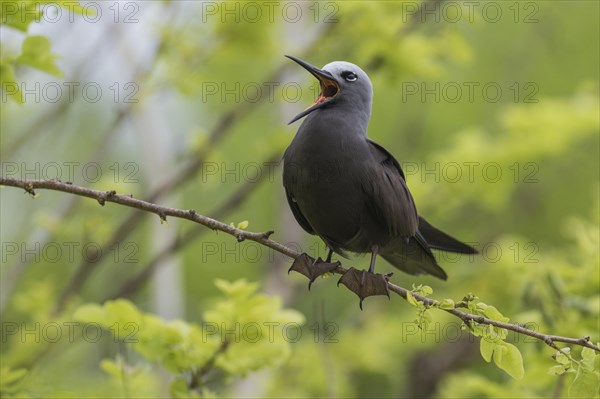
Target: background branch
263, 238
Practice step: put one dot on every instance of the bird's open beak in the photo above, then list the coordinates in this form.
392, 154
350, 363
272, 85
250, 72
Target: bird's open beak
329, 87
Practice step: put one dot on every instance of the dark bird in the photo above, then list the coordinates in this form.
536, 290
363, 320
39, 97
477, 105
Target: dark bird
351, 192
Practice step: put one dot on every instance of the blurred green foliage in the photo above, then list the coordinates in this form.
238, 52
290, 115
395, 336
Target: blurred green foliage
36, 50
514, 171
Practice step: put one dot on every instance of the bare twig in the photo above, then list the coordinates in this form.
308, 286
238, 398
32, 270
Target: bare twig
197, 377
263, 238
84, 269
520, 329
134, 283
220, 130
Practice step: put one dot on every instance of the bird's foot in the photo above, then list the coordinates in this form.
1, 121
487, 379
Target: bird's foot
312, 268
364, 283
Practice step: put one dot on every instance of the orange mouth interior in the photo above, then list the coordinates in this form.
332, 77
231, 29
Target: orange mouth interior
329, 89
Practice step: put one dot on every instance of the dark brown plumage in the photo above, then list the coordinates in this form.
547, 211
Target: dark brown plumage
349, 190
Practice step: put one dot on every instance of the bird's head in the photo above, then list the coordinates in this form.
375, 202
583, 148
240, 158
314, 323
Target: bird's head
342, 85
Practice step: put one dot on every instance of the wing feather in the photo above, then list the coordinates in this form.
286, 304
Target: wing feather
298, 213
390, 201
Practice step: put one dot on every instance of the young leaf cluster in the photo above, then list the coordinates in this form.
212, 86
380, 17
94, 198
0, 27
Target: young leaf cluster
242, 332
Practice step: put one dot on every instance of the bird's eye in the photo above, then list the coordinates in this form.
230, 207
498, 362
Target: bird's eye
349, 76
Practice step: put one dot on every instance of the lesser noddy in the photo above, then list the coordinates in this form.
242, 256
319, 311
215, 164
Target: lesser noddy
351, 192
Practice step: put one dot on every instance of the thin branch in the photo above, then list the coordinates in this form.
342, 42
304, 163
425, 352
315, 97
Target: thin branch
11, 281
197, 377
469, 317
263, 238
221, 129
85, 269
134, 283
140, 73
161, 211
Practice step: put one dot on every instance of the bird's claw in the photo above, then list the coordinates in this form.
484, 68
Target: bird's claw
364, 283
312, 268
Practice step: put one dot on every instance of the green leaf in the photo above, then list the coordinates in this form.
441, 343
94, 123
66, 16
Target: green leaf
179, 389
237, 289
424, 318
496, 333
498, 355
491, 312
111, 367
486, 347
11, 379
19, 14
411, 299
563, 357
426, 290
90, 313
514, 362
477, 330
37, 53
121, 313
588, 357
120, 316
447, 304
508, 358
585, 385
558, 369
423, 290
8, 83
243, 225
470, 297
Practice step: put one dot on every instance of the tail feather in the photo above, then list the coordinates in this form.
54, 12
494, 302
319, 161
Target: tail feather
437, 239
412, 256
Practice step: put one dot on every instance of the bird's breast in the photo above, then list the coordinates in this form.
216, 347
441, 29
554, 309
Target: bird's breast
325, 178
